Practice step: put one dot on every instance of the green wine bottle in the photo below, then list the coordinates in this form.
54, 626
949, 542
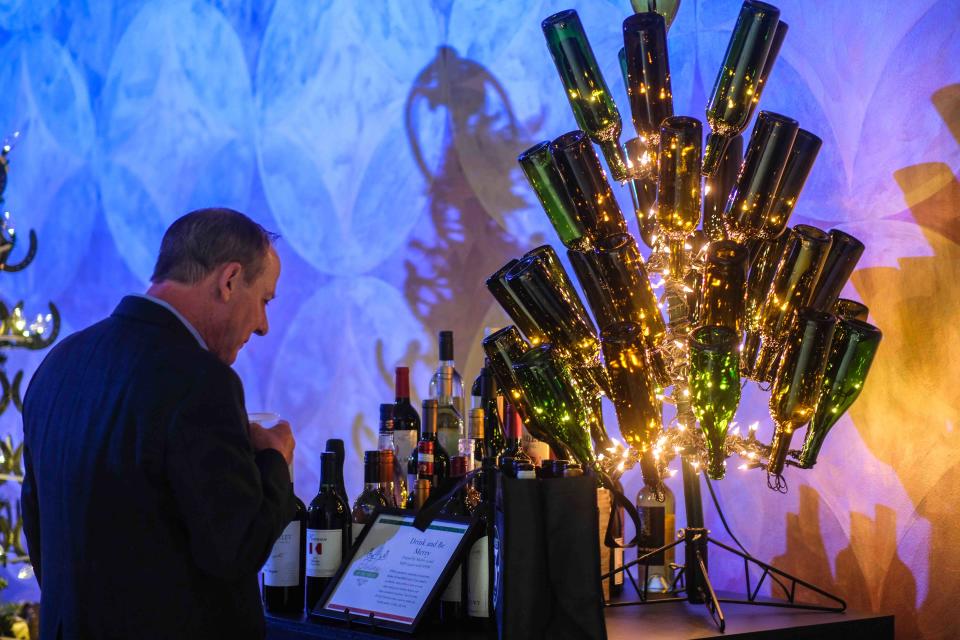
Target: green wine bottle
591, 100
714, 380
737, 88
854, 346
791, 288
547, 183
804, 151
756, 187
799, 379
553, 396
595, 206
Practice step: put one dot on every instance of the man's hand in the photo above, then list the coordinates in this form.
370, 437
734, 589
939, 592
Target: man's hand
277, 437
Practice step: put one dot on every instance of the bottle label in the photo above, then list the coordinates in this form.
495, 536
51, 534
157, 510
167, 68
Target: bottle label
454, 590
478, 585
425, 459
652, 533
405, 441
282, 568
324, 552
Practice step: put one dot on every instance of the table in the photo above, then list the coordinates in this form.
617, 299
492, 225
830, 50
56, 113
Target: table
667, 621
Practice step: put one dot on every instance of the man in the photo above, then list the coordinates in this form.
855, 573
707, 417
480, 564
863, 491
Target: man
149, 502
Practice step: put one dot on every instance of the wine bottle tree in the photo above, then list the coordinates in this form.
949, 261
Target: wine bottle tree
17, 331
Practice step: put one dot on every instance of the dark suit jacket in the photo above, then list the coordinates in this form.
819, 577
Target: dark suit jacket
147, 512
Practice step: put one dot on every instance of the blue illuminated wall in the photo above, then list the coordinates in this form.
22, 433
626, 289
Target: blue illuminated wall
379, 138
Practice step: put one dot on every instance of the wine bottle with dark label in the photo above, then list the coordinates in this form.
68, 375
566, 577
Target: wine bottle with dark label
406, 426
452, 606
328, 531
282, 577
372, 497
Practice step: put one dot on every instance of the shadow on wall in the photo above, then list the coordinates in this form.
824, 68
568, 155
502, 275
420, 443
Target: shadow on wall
471, 196
908, 417
884, 584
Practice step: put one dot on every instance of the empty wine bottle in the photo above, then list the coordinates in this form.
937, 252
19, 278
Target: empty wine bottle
667, 8
852, 350
764, 260
802, 155
798, 381
678, 191
737, 88
544, 176
509, 300
283, 575
593, 201
714, 380
724, 286
841, 260
755, 190
793, 284
328, 531
591, 100
643, 189
648, 73
845, 308
717, 190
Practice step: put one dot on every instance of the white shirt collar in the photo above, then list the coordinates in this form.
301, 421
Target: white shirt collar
169, 307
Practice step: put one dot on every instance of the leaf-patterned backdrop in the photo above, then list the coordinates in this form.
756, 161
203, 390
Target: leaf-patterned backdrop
379, 138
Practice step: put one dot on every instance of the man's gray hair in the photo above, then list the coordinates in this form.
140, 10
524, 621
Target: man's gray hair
204, 239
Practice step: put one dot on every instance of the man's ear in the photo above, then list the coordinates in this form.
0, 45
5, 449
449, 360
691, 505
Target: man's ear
228, 279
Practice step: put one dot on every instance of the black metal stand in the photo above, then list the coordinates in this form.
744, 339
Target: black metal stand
693, 580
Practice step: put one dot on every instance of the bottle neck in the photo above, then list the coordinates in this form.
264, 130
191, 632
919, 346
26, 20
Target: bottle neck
402, 386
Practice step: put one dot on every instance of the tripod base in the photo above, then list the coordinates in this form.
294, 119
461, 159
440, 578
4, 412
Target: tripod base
693, 581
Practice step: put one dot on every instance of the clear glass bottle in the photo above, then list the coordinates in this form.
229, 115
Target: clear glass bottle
658, 527
445, 349
450, 427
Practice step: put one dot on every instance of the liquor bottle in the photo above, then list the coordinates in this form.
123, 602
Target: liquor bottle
452, 610
390, 477
490, 401
373, 497
335, 445
476, 448
480, 569
283, 573
657, 524
328, 531
450, 426
432, 460
406, 425
445, 348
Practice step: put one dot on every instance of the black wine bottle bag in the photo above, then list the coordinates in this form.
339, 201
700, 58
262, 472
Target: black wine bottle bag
571, 531
521, 587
